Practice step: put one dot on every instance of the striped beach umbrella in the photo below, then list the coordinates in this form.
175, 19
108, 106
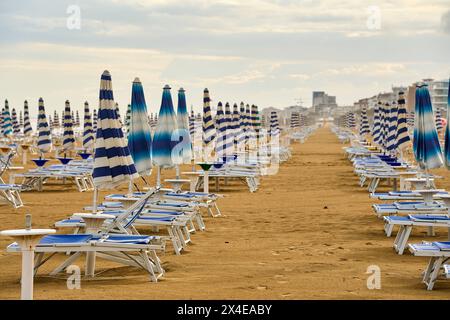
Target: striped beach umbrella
236, 126
274, 126
295, 120
391, 138
15, 123
209, 131
94, 121
376, 129
229, 141
221, 139
184, 145
7, 128
255, 123
68, 136
128, 117
447, 133
44, 143
364, 124
56, 122
192, 124
88, 132
402, 126
163, 144
139, 136
21, 119
77, 119
27, 130
113, 164
427, 150
242, 139
438, 117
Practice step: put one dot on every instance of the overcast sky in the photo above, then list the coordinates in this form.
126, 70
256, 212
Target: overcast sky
265, 52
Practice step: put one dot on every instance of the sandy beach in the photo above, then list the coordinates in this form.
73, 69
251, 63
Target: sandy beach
308, 233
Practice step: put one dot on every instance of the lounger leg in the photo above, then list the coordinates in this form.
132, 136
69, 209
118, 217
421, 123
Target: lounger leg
65, 264
401, 246
148, 266
175, 241
219, 213
90, 264
388, 228
435, 273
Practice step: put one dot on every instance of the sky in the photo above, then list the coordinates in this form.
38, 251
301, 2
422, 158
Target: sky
263, 52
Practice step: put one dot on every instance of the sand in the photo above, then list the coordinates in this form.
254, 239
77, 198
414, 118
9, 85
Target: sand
308, 233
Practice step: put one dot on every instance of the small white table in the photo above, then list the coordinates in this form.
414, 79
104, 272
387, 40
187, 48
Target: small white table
177, 183
193, 178
27, 240
419, 183
428, 194
93, 222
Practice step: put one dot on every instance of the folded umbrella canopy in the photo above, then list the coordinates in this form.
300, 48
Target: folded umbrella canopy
221, 133
184, 146
27, 130
139, 137
88, 132
447, 133
7, 128
391, 138
113, 164
376, 129
438, 117
427, 150
44, 143
15, 123
364, 122
68, 136
402, 126
209, 131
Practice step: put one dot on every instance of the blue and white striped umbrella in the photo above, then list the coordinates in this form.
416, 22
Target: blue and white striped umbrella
427, 150
447, 132
221, 132
94, 121
113, 164
248, 125
295, 120
402, 126
439, 126
376, 129
88, 132
56, 123
21, 119
242, 128
235, 126
44, 142
7, 127
163, 144
192, 125
229, 142
77, 119
253, 136
27, 130
184, 145
209, 131
391, 143
128, 118
68, 136
364, 124
139, 136
274, 126
15, 123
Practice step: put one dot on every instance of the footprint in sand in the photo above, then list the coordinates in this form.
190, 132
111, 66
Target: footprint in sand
279, 276
285, 295
275, 253
288, 269
261, 287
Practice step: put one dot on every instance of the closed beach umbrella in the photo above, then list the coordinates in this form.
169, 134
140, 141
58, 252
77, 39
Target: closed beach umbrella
77, 119
402, 126
113, 164
15, 123
274, 126
364, 125
376, 129
185, 144
192, 124
163, 143
427, 150
20, 118
56, 122
229, 141
242, 130
391, 144
94, 121
439, 126
44, 143
88, 132
27, 130
209, 131
221, 132
128, 117
447, 132
7, 128
139, 137
295, 120
68, 137
236, 126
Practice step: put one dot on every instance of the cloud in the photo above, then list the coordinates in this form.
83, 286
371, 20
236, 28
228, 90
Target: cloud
446, 22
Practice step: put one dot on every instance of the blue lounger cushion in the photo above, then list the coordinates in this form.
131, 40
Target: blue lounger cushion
135, 239
176, 205
444, 246
429, 218
167, 219
65, 239
396, 218
181, 195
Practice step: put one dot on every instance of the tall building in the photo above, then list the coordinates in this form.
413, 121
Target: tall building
438, 92
323, 103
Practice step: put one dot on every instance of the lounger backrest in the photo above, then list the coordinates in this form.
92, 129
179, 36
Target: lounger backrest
120, 219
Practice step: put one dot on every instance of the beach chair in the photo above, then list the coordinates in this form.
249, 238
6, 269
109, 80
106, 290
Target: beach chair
439, 254
407, 223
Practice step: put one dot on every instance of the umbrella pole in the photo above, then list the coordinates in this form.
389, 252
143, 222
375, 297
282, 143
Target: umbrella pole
94, 202
130, 188
177, 172
158, 178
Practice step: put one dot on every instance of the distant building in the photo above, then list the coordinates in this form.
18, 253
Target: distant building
438, 92
322, 103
